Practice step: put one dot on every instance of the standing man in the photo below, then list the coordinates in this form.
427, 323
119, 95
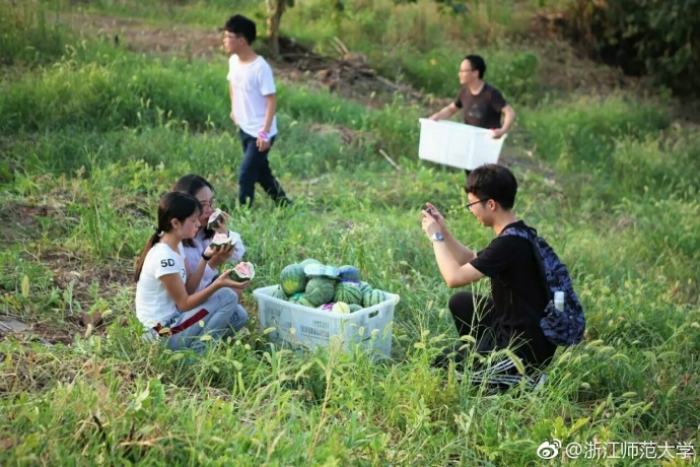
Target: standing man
253, 104
511, 315
482, 103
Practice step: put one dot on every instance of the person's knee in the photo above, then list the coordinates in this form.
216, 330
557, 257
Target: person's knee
227, 297
239, 318
220, 320
460, 302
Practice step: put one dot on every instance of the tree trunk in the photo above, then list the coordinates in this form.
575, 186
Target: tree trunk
275, 9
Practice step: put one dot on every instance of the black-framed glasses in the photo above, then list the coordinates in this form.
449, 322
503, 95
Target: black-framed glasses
469, 205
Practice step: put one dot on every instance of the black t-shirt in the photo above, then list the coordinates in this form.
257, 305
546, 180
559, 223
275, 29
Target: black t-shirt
517, 287
482, 110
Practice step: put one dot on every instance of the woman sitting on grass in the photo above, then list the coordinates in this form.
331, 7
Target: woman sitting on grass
167, 301
201, 262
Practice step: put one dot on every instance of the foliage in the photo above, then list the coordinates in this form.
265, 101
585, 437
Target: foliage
91, 138
29, 34
653, 37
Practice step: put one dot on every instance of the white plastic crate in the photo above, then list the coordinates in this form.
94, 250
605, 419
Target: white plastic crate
457, 145
369, 328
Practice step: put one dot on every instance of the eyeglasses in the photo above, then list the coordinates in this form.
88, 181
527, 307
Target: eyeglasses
469, 205
207, 203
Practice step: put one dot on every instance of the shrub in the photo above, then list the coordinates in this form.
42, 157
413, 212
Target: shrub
654, 37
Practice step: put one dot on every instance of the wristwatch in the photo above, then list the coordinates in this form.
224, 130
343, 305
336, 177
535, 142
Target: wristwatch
437, 237
205, 257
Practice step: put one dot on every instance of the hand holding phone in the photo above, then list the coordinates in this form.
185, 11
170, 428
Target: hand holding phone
435, 214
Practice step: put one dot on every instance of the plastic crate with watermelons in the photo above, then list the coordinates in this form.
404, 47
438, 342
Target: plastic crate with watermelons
315, 304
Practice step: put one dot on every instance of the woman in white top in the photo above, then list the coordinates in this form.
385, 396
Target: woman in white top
167, 300
204, 265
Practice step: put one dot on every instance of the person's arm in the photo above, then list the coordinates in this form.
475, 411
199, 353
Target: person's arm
270, 108
445, 112
238, 250
448, 256
230, 93
176, 289
194, 277
454, 274
508, 119
460, 252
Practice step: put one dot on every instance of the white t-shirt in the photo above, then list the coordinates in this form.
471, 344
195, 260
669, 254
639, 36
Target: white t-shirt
153, 304
251, 83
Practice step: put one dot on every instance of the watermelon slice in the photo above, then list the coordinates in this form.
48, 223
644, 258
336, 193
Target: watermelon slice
221, 239
243, 271
215, 219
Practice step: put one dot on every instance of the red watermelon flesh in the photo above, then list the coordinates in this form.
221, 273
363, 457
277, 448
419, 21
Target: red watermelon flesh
243, 271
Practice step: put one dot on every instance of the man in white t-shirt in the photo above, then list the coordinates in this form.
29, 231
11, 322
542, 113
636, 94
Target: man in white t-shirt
253, 104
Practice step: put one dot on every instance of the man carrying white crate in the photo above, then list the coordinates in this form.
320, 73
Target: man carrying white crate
511, 316
482, 103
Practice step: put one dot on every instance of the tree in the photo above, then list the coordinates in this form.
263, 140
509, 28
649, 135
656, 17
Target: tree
275, 10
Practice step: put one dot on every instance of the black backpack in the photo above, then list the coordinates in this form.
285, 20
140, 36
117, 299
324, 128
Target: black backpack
564, 327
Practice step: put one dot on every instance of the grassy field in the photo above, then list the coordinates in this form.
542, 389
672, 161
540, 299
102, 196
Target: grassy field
92, 133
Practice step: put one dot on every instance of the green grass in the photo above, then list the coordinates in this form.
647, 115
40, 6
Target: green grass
90, 139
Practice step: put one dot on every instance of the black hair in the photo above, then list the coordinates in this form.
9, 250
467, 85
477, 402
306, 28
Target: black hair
477, 63
493, 181
241, 26
173, 205
191, 184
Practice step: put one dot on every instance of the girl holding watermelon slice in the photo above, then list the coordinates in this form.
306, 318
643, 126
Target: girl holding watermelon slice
168, 303
201, 256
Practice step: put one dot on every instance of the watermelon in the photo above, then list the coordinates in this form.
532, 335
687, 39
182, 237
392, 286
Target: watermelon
243, 271
320, 290
296, 296
308, 261
341, 307
355, 307
364, 287
349, 273
299, 298
279, 293
215, 219
220, 239
348, 292
372, 297
292, 279
320, 270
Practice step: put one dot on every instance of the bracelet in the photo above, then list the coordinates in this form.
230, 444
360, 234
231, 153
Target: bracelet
205, 257
262, 134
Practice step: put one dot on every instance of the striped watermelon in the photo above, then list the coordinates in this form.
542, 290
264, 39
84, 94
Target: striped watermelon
364, 287
320, 290
372, 297
293, 279
348, 292
355, 307
300, 299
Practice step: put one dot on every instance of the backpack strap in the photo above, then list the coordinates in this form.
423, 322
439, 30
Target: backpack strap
530, 235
